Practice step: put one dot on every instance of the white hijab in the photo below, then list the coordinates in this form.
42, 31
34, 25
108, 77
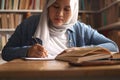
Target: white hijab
45, 32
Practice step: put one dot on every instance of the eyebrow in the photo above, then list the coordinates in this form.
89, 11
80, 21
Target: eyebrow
68, 6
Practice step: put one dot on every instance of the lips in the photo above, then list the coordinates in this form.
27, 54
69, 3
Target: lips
58, 19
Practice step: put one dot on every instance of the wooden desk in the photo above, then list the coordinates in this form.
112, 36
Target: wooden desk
56, 70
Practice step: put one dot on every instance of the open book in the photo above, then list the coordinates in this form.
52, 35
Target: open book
79, 55
85, 56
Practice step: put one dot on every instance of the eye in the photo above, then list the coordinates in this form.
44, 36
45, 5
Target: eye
67, 9
56, 6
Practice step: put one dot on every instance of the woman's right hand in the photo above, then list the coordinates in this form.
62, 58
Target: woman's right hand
37, 51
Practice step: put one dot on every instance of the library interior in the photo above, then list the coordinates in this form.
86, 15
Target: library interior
102, 15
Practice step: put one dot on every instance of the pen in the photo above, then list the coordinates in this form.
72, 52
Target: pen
36, 40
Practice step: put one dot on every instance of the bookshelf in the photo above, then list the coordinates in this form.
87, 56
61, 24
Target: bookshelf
90, 12
110, 16
110, 19
13, 12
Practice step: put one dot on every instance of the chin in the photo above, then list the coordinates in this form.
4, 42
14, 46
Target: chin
57, 25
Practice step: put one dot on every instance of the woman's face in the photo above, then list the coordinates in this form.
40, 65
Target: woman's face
59, 12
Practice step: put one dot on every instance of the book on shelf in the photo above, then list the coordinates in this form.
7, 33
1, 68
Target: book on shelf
10, 20
0, 21
88, 5
110, 13
0, 42
4, 21
16, 4
2, 4
21, 4
80, 55
118, 12
4, 40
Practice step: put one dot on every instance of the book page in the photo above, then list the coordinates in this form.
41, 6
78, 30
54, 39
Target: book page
84, 51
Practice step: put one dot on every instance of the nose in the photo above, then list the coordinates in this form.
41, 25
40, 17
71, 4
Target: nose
60, 12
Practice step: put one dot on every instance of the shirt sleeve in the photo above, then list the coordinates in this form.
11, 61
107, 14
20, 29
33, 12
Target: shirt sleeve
19, 43
92, 37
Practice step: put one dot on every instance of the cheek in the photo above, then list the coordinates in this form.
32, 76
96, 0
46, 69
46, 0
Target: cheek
51, 14
51, 17
67, 17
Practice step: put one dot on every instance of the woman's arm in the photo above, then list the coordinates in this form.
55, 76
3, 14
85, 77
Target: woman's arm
21, 40
92, 37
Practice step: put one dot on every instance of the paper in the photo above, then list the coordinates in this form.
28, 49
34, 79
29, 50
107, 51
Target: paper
49, 57
46, 58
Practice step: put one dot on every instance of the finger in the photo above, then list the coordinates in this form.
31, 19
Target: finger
39, 54
38, 51
46, 53
67, 50
43, 55
40, 47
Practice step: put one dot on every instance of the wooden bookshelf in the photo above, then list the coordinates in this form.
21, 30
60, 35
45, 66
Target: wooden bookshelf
14, 12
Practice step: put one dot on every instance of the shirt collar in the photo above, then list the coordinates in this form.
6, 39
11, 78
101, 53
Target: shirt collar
71, 29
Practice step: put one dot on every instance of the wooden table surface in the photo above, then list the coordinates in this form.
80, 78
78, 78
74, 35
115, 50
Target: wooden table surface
56, 70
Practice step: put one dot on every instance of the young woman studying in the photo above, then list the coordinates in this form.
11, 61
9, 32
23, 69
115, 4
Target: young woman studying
52, 32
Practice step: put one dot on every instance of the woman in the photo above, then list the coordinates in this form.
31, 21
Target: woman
55, 31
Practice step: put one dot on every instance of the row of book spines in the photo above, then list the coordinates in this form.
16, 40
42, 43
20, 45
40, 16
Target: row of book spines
11, 20
22, 4
92, 4
115, 36
87, 18
87, 5
110, 15
105, 3
38, 4
3, 40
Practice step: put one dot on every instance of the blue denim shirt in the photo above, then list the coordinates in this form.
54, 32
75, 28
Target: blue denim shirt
79, 35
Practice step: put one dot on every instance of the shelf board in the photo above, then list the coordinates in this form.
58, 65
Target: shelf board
85, 11
112, 4
18, 11
110, 27
6, 31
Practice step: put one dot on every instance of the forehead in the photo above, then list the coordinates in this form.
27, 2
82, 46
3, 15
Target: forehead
63, 2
